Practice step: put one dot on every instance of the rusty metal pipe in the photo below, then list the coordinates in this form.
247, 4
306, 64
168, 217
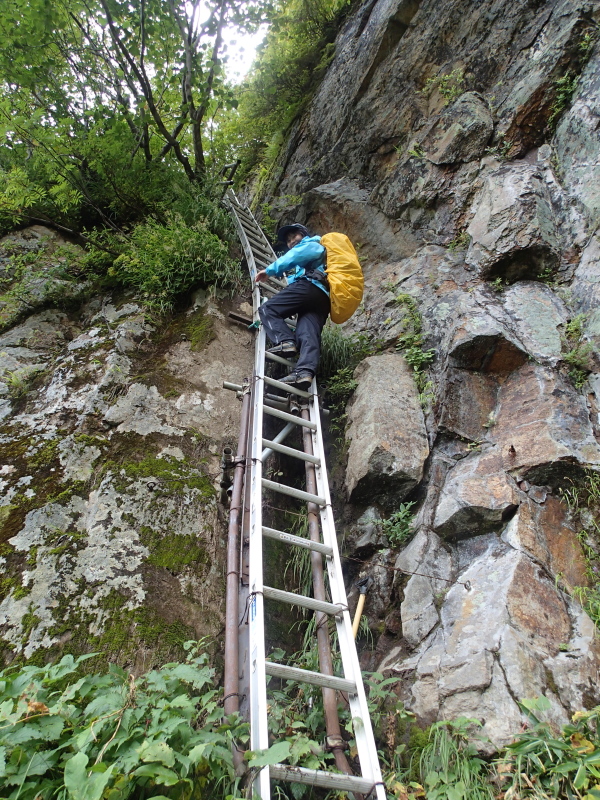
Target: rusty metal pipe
332, 721
231, 681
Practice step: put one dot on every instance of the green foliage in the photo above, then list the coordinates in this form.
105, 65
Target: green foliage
583, 500
548, 766
398, 527
340, 355
85, 737
410, 344
498, 284
416, 152
460, 242
450, 766
342, 351
500, 149
450, 86
104, 104
162, 261
563, 91
577, 351
289, 66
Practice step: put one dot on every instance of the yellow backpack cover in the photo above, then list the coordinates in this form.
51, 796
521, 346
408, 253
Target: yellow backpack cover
344, 274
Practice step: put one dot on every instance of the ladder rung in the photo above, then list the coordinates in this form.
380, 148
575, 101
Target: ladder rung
257, 243
318, 777
290, 451
304, 423
286, 388
265, 287
259, 248
299, 541
307, 676
279, 359
290, 491
239, 209
301, 600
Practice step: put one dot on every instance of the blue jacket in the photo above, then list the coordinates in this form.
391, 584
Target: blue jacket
308, 254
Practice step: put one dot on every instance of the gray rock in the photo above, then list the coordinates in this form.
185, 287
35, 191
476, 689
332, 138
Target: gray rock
513, 233
542, 427
385, 457
462, 131
476, 498
483, 343
576, 140
537, 314
343, 206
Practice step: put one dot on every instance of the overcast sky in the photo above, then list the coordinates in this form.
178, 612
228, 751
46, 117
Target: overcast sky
241, 50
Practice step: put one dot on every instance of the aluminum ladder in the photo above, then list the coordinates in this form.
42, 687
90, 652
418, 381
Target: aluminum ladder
249, 605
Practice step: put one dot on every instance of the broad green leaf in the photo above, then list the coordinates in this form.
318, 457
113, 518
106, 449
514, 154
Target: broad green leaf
82, 786
277, 753
76, 775
158, 773
157, 751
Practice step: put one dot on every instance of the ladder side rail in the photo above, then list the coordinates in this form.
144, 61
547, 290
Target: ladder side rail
335, 739
248, 253
259, 734
365, 740
231, 685
244, 584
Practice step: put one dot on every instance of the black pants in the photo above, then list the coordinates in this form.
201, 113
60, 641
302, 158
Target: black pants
311, 304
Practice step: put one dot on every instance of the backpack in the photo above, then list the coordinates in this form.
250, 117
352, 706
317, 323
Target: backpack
344, 275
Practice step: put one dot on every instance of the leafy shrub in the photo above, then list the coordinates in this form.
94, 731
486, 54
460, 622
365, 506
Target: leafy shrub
73, 736
548, 766
398, 527
450, 86
289, 67
577, 352
164, 260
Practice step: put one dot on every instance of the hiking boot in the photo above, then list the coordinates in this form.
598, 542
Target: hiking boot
284, 349
302, 380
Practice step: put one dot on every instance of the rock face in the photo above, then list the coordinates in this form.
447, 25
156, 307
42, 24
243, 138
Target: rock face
444, 141
386, 430
110, 445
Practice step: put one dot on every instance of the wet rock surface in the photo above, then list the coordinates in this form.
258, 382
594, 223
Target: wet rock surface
443, 140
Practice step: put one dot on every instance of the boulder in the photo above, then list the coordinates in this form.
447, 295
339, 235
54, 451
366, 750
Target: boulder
343, 206
421, 594
386, 432
483, 343
469, 400
476, 498
542, 427
461, 132
512, 229
536, 314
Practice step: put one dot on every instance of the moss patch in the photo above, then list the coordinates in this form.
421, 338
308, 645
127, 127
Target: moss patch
173, 551
200, 330
125, 632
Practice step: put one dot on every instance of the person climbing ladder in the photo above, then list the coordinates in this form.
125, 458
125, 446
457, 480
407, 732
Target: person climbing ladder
307, 295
